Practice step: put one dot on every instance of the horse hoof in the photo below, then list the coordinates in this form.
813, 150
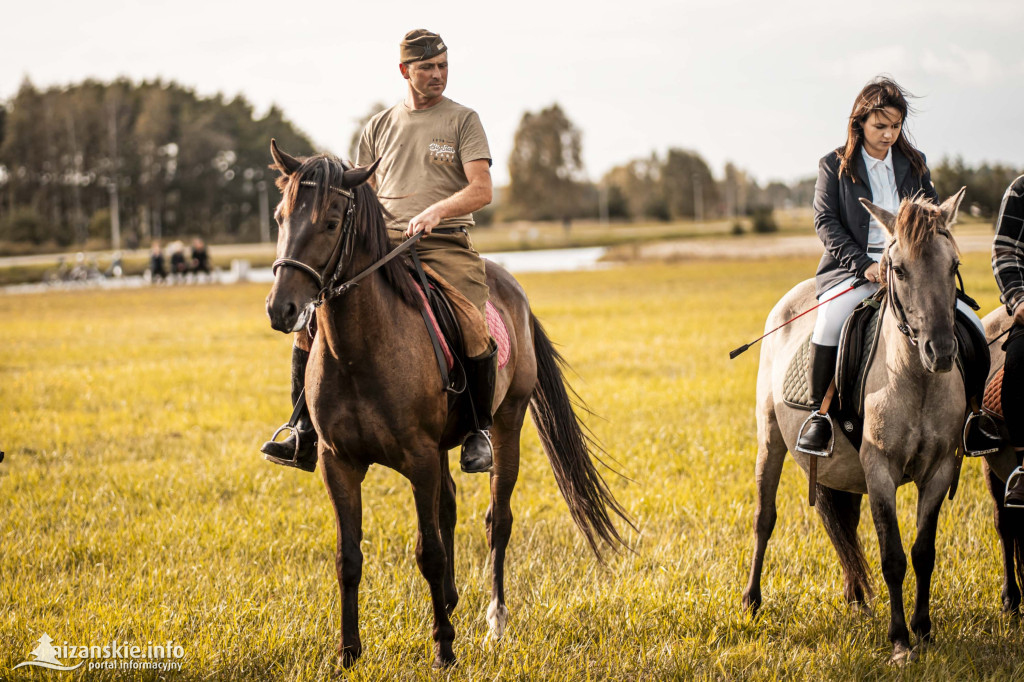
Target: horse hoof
751, 603
349, 657
902, 655
497, 619
444, 661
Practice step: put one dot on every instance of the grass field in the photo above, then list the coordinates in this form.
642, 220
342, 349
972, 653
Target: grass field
136, 507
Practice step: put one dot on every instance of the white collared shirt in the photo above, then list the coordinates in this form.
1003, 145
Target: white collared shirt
882, 178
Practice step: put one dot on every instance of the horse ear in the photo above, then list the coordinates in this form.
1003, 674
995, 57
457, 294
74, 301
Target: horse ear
951, 206
881, 215
357, 176
283, 162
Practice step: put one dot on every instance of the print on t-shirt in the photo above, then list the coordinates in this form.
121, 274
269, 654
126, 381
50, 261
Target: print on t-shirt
442, 152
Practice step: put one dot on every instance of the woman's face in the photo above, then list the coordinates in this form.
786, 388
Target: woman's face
881, 130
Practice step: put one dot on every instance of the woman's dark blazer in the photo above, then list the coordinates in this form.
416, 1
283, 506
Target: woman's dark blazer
842, 222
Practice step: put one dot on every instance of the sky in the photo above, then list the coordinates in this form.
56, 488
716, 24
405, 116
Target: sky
767, 86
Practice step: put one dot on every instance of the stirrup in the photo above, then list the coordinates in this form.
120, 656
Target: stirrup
967, 427
490, 447
294, 461
1015, 474
831, 441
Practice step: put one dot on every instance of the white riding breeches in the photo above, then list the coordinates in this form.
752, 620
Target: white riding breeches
832, 315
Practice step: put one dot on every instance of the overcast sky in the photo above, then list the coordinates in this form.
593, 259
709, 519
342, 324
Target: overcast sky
767, 86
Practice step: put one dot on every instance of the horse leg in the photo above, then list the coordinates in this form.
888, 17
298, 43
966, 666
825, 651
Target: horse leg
499, 514
448, 519
840, 514
771, 454
343, 483
1007, 521
430, 555
922, 554
882, 497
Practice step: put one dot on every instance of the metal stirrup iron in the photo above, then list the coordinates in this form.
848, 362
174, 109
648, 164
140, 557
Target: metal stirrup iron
290, 426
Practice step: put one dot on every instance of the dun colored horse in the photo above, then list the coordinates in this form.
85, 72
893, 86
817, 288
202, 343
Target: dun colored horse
374, 391
913, 410
1009, 522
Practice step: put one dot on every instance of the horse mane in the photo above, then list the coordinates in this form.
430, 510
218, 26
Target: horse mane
917, 221
370, 228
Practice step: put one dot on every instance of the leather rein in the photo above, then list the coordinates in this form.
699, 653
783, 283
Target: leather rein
328, 286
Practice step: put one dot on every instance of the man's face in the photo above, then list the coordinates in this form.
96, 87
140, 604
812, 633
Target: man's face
428, 77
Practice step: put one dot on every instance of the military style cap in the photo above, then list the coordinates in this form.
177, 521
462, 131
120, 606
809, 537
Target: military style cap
420, 44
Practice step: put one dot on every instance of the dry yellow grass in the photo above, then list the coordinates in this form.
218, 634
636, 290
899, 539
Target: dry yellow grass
136, 507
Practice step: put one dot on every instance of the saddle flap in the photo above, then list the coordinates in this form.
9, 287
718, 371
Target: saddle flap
857, 345
993, 400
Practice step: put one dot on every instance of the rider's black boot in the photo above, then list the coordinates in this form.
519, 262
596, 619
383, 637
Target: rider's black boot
816, 436
481, 374
303, 456
981, 433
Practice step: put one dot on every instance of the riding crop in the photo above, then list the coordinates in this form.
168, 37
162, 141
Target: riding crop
742, 349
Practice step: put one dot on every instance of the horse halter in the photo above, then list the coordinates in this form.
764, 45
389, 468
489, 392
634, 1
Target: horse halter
344, 244
893, 298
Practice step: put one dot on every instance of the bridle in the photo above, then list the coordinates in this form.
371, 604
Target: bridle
893, 299
328, 287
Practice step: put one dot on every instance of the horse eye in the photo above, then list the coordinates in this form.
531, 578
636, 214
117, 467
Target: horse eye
898, 271
332, 225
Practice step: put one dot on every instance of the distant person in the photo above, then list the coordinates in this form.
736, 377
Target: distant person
157, 268
116, 268
434, 172
877, 162
200, 257
1008, 266
179, 267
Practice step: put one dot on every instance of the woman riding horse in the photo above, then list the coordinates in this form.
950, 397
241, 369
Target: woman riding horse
878, 162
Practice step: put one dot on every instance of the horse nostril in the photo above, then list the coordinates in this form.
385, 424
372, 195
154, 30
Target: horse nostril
291, 310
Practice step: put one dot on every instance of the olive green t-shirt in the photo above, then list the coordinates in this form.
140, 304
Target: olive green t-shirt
422, 152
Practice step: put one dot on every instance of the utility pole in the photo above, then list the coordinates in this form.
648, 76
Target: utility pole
115, 204
698, 199
264, 211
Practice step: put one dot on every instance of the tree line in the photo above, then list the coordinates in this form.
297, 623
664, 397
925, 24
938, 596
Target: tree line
131, 162
128, 162
548, 182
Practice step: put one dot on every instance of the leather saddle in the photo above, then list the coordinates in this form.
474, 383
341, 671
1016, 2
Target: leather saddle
858, 345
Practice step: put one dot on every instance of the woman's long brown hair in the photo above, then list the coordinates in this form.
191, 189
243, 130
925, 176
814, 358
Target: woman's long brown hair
876, 96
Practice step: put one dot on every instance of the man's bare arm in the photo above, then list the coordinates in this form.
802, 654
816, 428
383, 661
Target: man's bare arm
472, 197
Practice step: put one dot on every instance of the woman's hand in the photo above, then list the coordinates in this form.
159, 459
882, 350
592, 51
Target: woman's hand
872, 273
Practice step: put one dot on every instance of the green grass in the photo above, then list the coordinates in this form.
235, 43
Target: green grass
136, 507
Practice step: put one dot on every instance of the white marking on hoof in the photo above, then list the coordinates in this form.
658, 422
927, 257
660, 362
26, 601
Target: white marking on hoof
497, 618
901, 656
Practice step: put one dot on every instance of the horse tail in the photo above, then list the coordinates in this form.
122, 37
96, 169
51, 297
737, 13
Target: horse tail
568, 446
840, 514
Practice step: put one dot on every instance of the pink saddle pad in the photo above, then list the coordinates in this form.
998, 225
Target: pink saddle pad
494, 324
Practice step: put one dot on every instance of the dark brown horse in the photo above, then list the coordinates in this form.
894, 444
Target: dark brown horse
1009, 522
374, 391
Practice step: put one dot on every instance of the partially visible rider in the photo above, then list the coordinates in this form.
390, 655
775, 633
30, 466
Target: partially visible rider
1008, 267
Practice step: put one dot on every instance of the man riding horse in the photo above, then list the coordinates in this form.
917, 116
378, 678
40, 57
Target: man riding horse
434, 172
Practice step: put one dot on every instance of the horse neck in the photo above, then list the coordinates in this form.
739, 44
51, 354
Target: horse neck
902, 358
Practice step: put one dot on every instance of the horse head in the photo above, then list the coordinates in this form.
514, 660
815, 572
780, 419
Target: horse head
315, 221
919, 271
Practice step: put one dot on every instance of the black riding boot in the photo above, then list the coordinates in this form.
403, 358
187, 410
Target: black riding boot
481, 374
304, 456
981, 433
817, 434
